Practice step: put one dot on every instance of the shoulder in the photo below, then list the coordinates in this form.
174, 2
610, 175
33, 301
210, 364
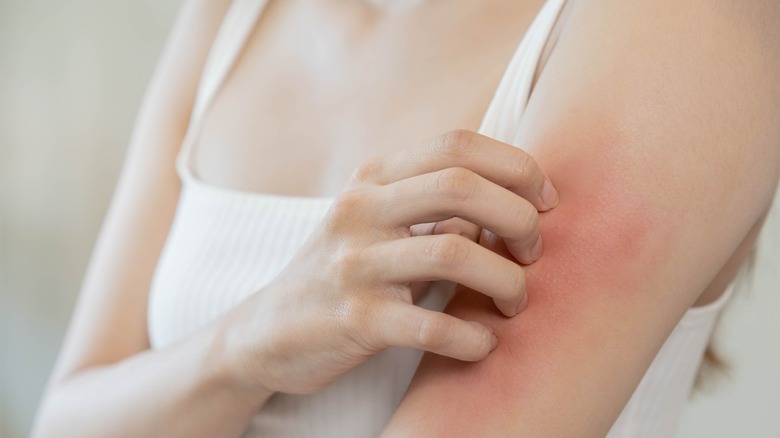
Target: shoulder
664, 84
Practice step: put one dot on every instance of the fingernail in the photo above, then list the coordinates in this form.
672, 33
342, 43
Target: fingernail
549, 195
495, 342
536, 251
523, 304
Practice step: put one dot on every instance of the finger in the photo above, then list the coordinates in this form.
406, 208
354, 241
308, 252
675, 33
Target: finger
408, 326
497, 245
453, 225
502, 163
455, 258
459, 192
488, 239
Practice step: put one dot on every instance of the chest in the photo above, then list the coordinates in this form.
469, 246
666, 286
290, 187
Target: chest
322, 86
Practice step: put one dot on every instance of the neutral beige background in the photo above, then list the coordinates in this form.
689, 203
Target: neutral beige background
71, 77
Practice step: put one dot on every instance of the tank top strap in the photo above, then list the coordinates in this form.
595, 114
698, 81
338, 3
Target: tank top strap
502, 118
231, 37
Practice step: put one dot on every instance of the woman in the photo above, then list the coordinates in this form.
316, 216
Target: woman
259, 294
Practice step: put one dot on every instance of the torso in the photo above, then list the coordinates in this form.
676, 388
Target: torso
322, 86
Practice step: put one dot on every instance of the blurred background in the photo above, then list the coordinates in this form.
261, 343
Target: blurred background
72, 74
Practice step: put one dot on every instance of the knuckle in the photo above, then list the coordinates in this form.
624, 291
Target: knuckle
430, 332
457, 183
347, 202
366, 172
354, 313
524, 165
527, 219
349, 267
461, 228
447, 250
344, 208
517, 287
456, 142
485, 344
359, 314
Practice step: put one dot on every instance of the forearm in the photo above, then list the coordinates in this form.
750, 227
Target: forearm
180, 390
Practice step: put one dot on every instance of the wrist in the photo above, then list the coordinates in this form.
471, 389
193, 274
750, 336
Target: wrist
221, 361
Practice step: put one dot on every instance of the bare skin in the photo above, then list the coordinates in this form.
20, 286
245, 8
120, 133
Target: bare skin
282, 92
260, 88
409, 203
664, 147
356, 85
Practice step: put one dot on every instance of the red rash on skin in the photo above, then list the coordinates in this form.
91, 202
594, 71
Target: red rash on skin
599, 225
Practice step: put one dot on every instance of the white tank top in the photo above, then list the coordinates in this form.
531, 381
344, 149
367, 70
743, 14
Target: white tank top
225, 244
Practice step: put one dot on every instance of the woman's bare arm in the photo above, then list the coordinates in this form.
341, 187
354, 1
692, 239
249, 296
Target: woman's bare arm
332, 307
658, 123
106, 381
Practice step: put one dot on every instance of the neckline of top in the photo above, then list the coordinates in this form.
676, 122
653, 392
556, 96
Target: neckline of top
239, 22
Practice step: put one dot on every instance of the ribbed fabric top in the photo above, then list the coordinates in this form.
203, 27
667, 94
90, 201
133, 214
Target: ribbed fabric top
226, 244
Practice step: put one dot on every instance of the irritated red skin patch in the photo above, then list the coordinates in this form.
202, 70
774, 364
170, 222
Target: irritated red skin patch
596, 243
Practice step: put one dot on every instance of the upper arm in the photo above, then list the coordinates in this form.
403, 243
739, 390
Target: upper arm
109, 322
657, 122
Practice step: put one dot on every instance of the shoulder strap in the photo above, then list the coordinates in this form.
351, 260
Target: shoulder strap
235, 29
232, 35
502, 118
